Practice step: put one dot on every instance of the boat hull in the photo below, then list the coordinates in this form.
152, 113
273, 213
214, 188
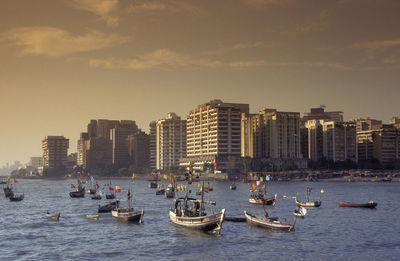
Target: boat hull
110, 196
267, 223
308, 203
262, 201
207, 223
17, 198
129, 215
108, 208
55, 217
356, 205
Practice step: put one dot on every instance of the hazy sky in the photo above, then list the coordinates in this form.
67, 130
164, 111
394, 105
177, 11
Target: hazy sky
66, 62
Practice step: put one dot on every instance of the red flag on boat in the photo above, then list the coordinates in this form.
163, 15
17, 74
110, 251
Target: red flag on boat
97, 186
72, 186
82, 174
111, 189
15, 180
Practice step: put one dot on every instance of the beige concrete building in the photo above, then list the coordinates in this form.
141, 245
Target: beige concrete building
368, 124
170, 141
382, 145
55, 151
214, 133
321, 114
335, 141
271, 134
153, 145
36, 162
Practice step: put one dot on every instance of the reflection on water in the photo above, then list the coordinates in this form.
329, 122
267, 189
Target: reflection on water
326, 233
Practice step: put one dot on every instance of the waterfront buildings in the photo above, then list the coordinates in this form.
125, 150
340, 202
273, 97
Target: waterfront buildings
214, 134
368, 124
382, 145
170, 139
321, 114
55, 153
153, 145
138, 149
335, 141
36, 162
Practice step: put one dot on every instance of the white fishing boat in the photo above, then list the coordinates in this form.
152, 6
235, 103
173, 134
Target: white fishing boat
94, 217
54, 216
128, 213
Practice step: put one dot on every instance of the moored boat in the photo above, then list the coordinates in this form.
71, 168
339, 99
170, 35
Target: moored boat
90, 216
109, 207
308, 203
170, 191
79, 191
268, 223
160, 191
370, 204
17, 197
232, 187
55, 216
128, 213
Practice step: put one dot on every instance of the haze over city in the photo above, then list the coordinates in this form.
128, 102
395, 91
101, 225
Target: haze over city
66, 62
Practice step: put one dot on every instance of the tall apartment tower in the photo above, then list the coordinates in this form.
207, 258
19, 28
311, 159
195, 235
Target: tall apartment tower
382, 145
271, 134
214, 133
170, 141
55, 151
118, 136
153, 145
138, 149
335, 141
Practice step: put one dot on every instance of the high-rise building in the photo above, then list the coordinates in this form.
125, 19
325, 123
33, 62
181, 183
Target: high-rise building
368, 124
36, 162
153, 145
170, 141
55, 151
105, 143
332, 140
214, 133
138, 149
271, 134
382, 145
321, 114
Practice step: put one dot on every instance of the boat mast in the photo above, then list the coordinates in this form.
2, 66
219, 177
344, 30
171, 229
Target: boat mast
202, 199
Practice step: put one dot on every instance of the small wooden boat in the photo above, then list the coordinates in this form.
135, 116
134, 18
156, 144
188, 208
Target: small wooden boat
260, 199
16, 197
308, 203
55, 216
90, 216
96, 197
269, 223
232, 187
109, 207
153, 184
300, 212
160, 192
80, 193
128, 214
170, 191
110, 196
370, 204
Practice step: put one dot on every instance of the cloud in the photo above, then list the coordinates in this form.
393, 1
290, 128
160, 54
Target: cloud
334, 66
235, 47
55, 42
140, 6
101, 8
377, 45
268, 2
167, 59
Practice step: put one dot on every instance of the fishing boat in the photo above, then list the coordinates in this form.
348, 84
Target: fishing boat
258, 194
268, 223
160, 190
17, 197
370, 204
152, 184
190, 213
232, 186
79, 191
90, 216
300, 212
128, 213
308, 203
55, 216
170, 191
109, 207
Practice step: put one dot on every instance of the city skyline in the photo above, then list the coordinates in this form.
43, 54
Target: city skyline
67, 62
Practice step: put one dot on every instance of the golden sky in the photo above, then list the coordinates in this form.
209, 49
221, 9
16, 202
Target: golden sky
66, 62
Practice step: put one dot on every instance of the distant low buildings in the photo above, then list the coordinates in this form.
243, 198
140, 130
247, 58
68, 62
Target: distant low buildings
36, 162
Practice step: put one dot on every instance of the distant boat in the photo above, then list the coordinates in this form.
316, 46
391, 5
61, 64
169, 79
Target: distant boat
268, 223
308, 203
258, 195
152, 184
300, 212
109, 207
96, 197
370, 204
79, 191
190, 213
232, 186
55, 216
17, 197
128, 213
95, 217
170, 191
160, 192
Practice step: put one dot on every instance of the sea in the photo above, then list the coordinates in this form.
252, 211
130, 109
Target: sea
326, 233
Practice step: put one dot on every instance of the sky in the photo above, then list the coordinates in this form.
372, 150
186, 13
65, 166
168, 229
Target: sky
64, 62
